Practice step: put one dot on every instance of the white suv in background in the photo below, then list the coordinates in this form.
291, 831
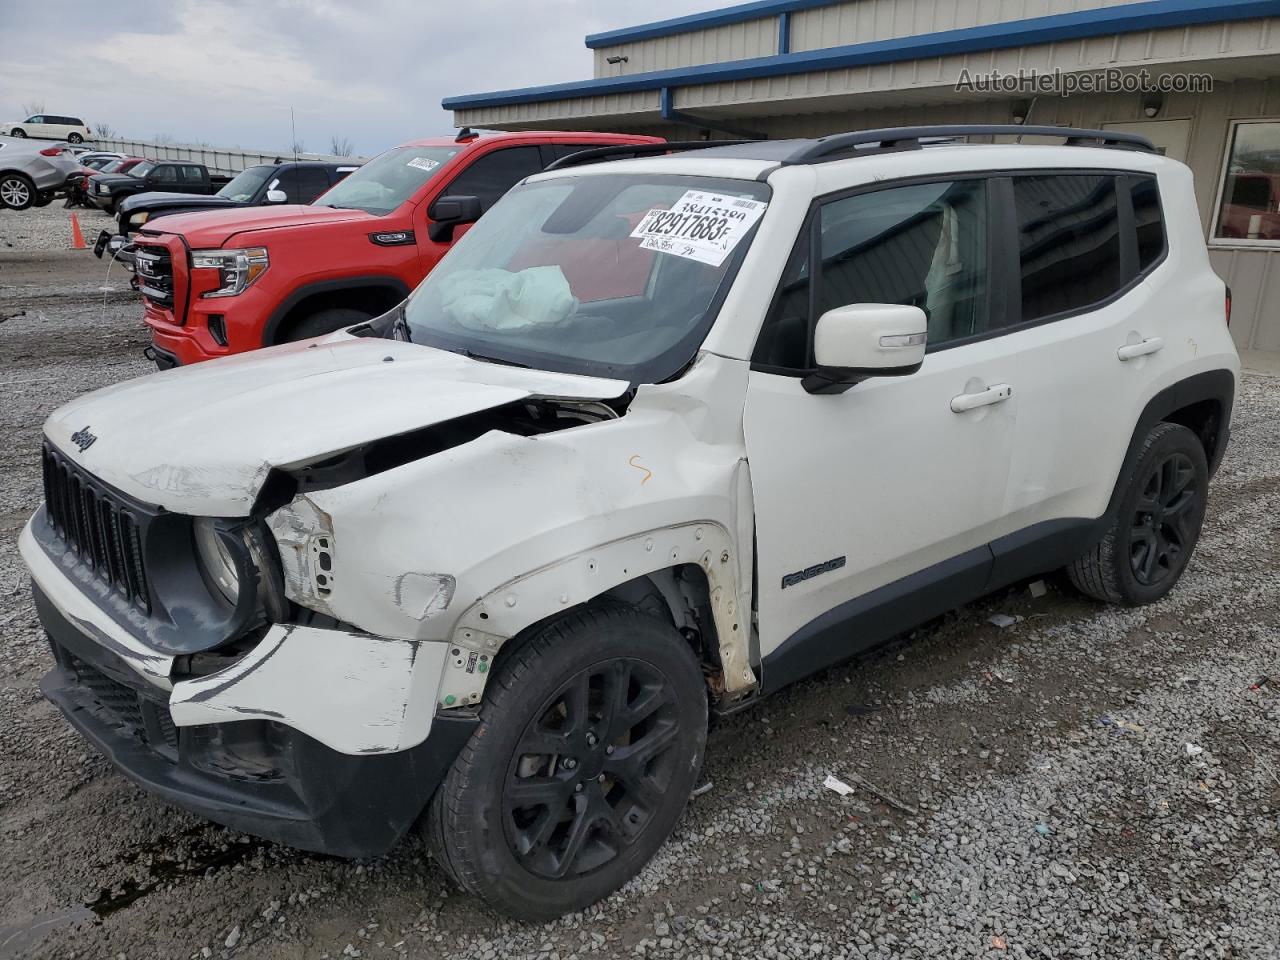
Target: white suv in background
658, 437
48, 126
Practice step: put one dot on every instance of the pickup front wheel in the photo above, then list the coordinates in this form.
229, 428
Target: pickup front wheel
323, 321
591, 739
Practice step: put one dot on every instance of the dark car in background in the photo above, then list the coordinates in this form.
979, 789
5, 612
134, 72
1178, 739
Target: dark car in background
108, 189
292, 181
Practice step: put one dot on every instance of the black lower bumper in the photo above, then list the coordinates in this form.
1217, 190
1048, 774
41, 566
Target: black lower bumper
256, 776
163, 359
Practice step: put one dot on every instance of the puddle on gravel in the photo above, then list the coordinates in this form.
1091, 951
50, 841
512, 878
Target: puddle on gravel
14, 941
203, 857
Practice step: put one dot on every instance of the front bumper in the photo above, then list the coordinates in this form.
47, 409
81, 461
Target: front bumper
257, 776
181, 345
102, 201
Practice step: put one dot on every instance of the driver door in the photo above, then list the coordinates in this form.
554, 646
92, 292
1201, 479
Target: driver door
874, 507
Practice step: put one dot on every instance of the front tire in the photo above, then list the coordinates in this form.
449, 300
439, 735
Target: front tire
43, 199
324, 321
17, 191
17, 132
591, 738
1156, 526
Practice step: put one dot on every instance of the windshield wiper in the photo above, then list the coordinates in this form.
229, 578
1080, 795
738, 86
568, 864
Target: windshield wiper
472, 355
400, 326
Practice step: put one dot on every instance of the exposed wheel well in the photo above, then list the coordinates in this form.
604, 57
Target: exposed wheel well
679, 595
371, 298
1204, 419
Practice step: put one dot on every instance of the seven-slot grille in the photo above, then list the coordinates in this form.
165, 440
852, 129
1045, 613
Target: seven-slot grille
155, 274
101, 529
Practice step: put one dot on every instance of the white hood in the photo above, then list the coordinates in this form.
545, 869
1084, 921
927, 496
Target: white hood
201, 440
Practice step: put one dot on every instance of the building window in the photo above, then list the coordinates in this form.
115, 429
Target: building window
1249, 208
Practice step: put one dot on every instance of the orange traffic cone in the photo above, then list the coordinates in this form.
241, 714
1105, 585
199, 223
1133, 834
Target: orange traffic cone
77, 238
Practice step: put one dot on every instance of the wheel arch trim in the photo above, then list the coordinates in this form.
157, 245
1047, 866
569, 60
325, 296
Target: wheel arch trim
530, 600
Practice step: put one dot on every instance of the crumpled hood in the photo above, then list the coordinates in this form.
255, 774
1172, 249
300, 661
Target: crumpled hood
201, 440
213, 228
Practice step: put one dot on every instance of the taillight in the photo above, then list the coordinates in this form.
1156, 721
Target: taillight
1228, 305
51, 152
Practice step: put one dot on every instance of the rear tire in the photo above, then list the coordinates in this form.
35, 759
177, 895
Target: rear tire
1156, 525
324, 321
17, 191
75, 138
590, 741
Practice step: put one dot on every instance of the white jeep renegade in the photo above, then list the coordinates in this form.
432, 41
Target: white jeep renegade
659, 436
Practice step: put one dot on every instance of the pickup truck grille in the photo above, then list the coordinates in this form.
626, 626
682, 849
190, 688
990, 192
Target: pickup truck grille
155, 274
102, 529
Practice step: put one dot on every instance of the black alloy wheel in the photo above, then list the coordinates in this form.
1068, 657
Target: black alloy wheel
591, 769
1161, 531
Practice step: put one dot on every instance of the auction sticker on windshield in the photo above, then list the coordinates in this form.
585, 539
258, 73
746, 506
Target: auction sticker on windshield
701, 226
424, 163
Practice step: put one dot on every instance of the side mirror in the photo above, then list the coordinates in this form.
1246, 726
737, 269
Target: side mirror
449, 212
277, 196
863, 340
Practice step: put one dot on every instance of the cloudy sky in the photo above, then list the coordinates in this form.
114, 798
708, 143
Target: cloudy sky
226, 72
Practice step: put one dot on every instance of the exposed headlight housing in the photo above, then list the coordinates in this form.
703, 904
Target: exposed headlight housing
138, 219
225, 554
216, 560
237, 269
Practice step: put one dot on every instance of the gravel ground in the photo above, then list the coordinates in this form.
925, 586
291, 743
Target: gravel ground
49, 228
1090, 782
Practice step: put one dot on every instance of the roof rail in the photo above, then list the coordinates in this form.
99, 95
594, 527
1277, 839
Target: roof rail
629, 150
841, 145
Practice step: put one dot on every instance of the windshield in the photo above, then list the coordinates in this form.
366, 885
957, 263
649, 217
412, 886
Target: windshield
611, 275
388, 180
140, 170
245, 184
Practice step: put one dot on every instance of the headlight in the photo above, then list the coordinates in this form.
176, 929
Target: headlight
219, 566
236, 268
138, 219
99, 188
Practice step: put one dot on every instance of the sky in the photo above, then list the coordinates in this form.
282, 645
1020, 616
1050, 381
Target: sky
226, 72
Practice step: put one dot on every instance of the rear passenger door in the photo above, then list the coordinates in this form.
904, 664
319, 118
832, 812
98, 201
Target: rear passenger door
1093, 342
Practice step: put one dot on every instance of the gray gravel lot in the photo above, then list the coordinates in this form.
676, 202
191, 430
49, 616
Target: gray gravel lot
1090, 782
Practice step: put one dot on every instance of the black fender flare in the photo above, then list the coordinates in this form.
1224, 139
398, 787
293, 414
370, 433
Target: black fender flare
1214, 385
276, 320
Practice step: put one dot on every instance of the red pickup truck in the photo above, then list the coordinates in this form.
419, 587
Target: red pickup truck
222, 282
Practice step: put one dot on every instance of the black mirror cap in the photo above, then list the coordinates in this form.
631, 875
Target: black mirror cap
455, 210
828, 380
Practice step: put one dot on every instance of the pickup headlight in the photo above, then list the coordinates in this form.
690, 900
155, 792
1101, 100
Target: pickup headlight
237, 269
138, 219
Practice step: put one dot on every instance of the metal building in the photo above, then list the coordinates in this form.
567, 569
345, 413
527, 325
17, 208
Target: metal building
1200, 78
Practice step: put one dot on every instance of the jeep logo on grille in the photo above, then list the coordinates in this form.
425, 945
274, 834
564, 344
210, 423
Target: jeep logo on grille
83, 439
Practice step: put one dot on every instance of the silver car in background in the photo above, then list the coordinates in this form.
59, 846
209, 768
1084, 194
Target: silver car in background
31, 173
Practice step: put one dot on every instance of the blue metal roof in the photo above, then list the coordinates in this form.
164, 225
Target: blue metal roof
739, 13
1127, 18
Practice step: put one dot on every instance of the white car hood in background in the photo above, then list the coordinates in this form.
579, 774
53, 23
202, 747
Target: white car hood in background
201, 440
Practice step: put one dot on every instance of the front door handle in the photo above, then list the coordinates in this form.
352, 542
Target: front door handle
984, 398
1132, 351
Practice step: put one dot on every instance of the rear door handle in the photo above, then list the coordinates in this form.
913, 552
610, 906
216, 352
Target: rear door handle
971, 401
1132, 351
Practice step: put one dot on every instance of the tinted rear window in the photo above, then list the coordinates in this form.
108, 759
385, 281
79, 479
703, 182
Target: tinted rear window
1068, 242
